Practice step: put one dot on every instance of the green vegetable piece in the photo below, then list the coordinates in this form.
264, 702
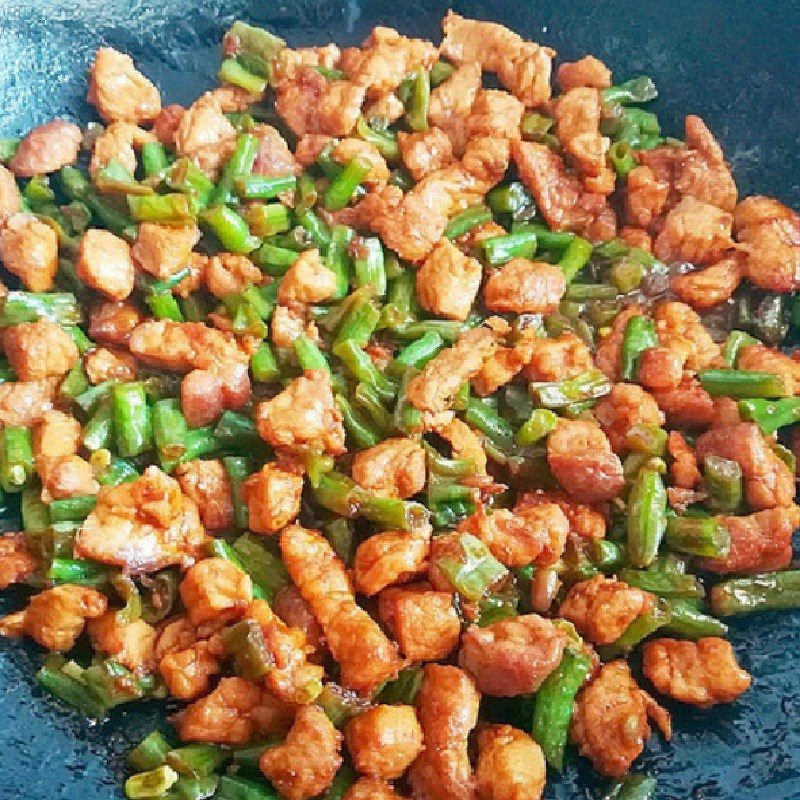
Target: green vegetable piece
636, 90
767, 591
733, 344
342, 187
238, 469
16, 458
553, 704
541, 422
590, 385
232, 72
368, 264
575, 258
418, 100
155, 782
404, 688
133, 428
196, 760
265, 568
59, 307
500, 249
632, 787
230, 229
647, 508
150, 753
474, 571
663, 583
770, 415
698, 536
464, 221
723, 480
263, 364
740, 383
72, 509
688, 622
236, 788
639, 335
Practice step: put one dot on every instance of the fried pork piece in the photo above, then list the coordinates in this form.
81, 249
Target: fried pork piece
303, 414
365, 656
602, 608
119, 91
390, 557
625, 407
562, 199
205, 135
760, 542
119, 141
584, 520
769, 482
523, 67
46, 148
770, 237
184, 346
577, 118
701, 673
292, 678
129, 643
525, 287
447, 709
10, 197
290, 606
16, 562
696, 232
308, 280
610, 724
587, 71
646, 196
371, 789
227, 273
305, 764
346, 149
510, 766
607, 358
384, 740
424, 152
105, 264
384, 60
683, 470
274, 156
144, 525
163, 250
206, 393
310, 103
166, 124
433, 389
393, 468
26, 402
464, 442
494, 113
235, 712
680, 330
706, 288
104, 364
113, 323
451, 102
215, 590
422, 619
582, 461
530, 533
205, 482
39, 350
55, 618
687, 406
29, 250
760, 358
70, 476
558, 358
448, 281
187, 663
499, 369
513, 656
272, 496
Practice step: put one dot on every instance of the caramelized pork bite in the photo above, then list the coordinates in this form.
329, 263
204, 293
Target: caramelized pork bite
702, 673
305, 764
56, 617
513, 656
602, 608
610, 722
119, 91
510, 766
447, 709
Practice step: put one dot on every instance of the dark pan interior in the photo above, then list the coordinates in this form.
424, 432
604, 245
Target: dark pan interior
736, 63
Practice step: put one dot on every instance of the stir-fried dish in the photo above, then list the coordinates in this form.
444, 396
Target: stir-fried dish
375, 417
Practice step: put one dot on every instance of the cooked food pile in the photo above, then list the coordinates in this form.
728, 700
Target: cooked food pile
375, 417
